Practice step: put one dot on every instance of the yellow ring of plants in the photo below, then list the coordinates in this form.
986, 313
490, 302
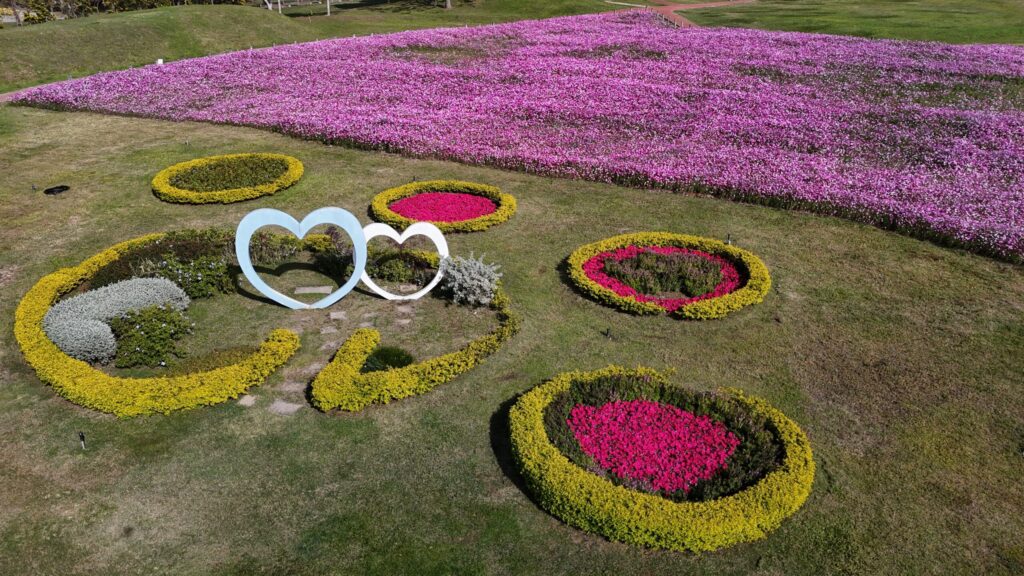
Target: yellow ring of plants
506, 204
596, 505
758, 282
341, 384
84, 385
164, 190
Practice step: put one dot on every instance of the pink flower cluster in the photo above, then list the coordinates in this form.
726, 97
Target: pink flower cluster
443, 206
923, 137
594, 269
656, 444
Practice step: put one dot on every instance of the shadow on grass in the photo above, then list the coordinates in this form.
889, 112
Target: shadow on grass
501, 444
236, 279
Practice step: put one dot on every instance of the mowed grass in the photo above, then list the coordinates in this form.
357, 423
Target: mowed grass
955, 21
901, 360
32, 55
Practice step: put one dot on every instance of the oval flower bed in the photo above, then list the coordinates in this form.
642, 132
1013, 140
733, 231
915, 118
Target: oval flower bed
83, 384
451, 205
625, 454
227, 178
720, 277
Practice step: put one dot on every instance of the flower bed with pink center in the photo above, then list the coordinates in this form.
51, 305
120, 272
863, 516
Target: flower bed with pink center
651, 443
443, 206
594, 269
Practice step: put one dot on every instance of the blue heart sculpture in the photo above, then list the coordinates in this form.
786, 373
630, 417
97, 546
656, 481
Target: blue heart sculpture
269, 217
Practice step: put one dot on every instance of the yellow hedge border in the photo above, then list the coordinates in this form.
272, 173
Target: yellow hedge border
380, 207
596, 505
164, 190
84, 385
341, 384
759, 281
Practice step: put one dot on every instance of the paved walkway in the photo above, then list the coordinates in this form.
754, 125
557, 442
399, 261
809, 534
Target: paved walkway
670, 10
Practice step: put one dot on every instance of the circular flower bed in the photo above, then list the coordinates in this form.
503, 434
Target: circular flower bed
226, 179
625, 454
451, 205
657, 272
83, 384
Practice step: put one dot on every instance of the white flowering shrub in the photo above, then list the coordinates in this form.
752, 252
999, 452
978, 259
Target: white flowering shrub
78, 325
469, 280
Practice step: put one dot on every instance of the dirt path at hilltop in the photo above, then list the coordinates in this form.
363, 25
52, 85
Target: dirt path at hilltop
670, 10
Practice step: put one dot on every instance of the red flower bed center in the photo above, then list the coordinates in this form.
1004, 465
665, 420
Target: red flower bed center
594, 269
656, 444
443, 206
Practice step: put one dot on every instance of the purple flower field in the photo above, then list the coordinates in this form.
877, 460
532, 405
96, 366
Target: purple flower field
925, 138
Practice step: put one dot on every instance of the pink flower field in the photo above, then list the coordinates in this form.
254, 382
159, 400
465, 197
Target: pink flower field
925, 138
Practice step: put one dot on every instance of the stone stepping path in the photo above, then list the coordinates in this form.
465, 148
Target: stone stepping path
284, 408
314, 290
294, 386
247, 400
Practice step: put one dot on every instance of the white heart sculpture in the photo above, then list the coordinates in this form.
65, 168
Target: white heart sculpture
343, 219
418, 229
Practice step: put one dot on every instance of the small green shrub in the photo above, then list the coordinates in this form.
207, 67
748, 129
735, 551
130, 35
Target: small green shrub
387, 357
199, 278
653, 273
148, 337
183, 246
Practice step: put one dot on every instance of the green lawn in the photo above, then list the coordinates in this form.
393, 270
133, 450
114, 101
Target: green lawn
957, 21
44, 53
901, 360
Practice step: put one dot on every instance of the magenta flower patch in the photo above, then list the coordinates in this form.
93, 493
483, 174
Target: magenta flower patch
594, 269
656, 444
922, 137
443, 206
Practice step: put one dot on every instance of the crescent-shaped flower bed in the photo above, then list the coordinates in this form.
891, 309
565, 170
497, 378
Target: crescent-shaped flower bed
741, 278
341, 384
451, 205
685, 471
87, 386
227, 178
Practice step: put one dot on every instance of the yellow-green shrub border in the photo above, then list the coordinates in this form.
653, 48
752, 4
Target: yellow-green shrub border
596, 505
341, 384
84, 385
164, 190
759, 281
381, 211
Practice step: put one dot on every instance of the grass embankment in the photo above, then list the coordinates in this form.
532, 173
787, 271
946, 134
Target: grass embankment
32, 55
900, 359
955, 21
